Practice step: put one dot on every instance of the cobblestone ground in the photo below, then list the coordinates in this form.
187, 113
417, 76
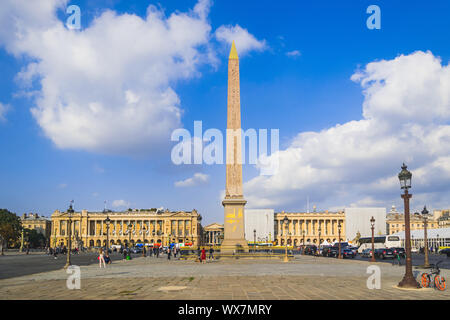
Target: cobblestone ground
149, 278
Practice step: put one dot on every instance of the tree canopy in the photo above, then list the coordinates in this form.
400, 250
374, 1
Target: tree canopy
10, 226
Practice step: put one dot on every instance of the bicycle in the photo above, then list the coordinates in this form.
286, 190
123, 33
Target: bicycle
434, 274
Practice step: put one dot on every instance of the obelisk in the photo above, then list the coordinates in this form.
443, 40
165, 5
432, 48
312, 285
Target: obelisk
234, 202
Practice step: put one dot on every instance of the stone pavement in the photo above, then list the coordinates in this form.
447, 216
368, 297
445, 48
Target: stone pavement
149, 278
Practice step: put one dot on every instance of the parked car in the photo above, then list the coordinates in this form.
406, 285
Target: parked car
414, 250
445, 251
354, 249
347, 253
384, 253
400, 251
310, 249
366, 253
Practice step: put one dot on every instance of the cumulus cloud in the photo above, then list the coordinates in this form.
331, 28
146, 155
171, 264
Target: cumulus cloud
197, 179
293, 54
406, 113
244, 41
120, 204
108, 87
4, 108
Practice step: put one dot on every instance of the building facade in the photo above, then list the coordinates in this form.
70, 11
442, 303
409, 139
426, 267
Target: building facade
304, 227
395, 221
443, 217
89, 229
41, 224
213, 234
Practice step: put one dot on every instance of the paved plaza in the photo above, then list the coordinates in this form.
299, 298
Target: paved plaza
305, 277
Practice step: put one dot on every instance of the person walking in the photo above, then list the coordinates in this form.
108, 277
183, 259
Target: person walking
211, 253
168, 253
101, 259
203, 257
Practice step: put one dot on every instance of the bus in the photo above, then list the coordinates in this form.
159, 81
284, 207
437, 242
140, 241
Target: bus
380, 242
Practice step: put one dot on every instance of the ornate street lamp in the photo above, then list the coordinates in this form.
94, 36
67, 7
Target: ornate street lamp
70, 212
21, 241
107, 221
405, 183
254, 243
425, 235
320, 233
339, 236
304, 244
372, 226
285, 221
143, 244
129, 227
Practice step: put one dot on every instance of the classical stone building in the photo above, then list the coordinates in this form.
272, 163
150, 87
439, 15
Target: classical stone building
303, 225
33, 221
443, 217
89, 229
213, 234
396, 221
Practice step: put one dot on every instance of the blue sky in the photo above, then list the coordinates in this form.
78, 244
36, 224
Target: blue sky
42, 170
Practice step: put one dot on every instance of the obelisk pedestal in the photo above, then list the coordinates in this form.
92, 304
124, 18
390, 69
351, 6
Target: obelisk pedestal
234, 202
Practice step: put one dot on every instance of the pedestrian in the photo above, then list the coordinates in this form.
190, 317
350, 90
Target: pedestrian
101, 258
199, 254
211, 253
157, 252
174, 252
203, 257
107, 259
124, 253
168, 253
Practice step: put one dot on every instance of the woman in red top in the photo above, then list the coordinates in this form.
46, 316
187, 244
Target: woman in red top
203, 255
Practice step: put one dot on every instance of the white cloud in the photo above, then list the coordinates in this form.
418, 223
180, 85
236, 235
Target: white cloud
293, 54
197, 179
120, 203
62, 185
244, 41
109, 87
4, 108
406, 113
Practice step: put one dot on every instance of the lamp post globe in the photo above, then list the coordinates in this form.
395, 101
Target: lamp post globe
408, 280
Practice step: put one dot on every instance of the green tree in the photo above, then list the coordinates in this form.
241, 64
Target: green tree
33, 238
10, 227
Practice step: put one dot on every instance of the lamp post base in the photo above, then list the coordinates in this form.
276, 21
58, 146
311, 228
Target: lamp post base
409, 282
285, 259
68, 264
